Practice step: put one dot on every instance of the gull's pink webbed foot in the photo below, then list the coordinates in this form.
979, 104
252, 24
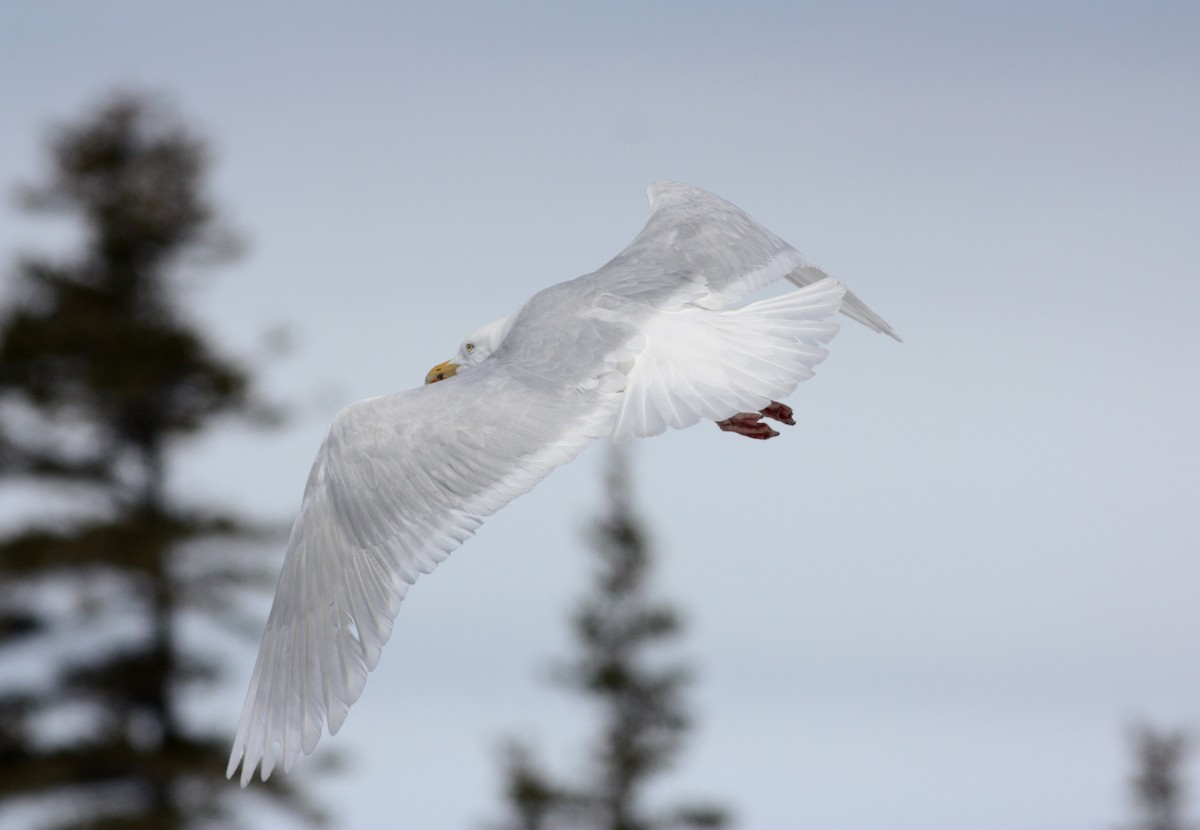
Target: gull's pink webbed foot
780, 412
751, 424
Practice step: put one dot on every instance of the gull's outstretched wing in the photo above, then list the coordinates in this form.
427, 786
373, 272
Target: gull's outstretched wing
399, 483
692, 231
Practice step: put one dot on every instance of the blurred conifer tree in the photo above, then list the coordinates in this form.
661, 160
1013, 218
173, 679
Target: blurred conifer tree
1158, 787
643, 716
101, 375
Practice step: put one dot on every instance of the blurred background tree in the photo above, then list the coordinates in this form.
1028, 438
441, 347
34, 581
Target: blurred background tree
1158, 788
102, 567
643, 718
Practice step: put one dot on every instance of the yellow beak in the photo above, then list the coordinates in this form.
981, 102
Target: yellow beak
441, 372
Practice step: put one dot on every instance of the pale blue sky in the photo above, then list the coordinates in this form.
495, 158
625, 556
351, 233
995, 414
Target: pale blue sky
935, 603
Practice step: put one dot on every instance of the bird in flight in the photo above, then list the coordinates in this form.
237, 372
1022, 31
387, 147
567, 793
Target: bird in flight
660, 337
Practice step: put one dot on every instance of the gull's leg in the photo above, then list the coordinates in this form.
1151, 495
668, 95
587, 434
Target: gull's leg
750, 423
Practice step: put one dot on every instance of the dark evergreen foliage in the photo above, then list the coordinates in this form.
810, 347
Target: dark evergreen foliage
643, 717
1158, 787
101, 375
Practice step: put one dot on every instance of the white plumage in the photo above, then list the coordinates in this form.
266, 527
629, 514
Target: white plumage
654, 339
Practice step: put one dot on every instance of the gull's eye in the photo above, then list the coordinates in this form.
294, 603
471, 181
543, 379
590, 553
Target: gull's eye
470, 348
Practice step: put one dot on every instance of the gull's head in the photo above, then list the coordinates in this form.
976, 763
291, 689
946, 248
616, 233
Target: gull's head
473, 351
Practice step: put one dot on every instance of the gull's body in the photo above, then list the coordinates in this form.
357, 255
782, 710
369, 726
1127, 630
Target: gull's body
652, 340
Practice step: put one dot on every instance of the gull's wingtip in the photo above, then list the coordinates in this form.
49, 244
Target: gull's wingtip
856, 309
248, 765
236, 756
